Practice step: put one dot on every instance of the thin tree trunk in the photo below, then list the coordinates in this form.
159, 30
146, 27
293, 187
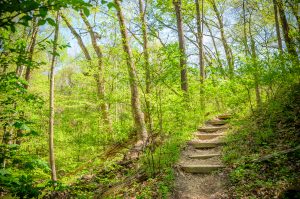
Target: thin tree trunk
100, 73
135, 100
295, 8
148, 118
20, 68
254, 59
200, 40
227, 49
31, 50
277, 27
247, 51
78, 38
214, 44
285, 28
183, 58
51, 117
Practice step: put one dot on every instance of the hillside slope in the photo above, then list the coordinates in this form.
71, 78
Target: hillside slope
262, 151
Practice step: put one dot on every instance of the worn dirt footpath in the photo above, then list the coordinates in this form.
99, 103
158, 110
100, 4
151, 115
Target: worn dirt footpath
199, 173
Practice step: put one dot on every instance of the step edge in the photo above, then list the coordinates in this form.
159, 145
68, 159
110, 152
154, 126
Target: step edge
202, 166
208, 155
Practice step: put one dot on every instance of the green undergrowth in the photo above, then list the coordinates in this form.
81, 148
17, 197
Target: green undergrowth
256, 153
151, 176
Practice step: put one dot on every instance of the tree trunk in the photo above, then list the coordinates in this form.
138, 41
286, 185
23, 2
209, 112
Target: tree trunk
254, 60
214, 43
148, 118
285, 28
78, 38
200, 39
227, 49
247, 51
100, 73
183, 58
135, 101
31, 50
295, 8
277, 27
51, 117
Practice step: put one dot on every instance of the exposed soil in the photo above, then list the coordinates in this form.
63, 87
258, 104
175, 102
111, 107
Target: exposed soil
200, 186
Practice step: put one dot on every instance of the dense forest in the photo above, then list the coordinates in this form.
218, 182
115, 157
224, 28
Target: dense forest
98, 98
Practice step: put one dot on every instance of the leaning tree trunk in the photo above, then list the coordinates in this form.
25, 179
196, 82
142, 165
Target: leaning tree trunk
148, 118
277, 27
183, 58
285, 28
78, 38
31, 50
104, 107
227, 49
214, 44
51, 106
20, 68
295, 8
100, 73
135, 101
200, 40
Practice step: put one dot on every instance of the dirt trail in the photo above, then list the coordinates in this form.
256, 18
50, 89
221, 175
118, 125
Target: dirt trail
202, 177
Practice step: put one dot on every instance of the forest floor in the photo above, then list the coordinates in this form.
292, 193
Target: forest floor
199, 173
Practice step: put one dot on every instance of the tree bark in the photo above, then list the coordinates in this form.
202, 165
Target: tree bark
183, 57
78, 38
247, 51
31, 50
214, 44
100, 73
51, 106
254, 60
285, 28
227, 49
200, 39
148, 118
277, 27
295, 7
135, 101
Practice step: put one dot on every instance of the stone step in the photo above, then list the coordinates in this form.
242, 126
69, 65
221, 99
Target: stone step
224, 116
211, 129
217, 122
200, 144
203, 157
207, 136
201, 168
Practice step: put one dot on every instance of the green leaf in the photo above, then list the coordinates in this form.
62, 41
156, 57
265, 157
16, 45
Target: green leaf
103, 2
24, 20
110, 5
21, 125
41, 22
86, 12
43, 11
32, 133
12, 28
51, 22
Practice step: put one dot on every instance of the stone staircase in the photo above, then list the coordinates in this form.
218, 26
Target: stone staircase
204, 153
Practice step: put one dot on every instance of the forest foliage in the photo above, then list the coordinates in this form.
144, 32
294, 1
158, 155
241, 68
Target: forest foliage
117, 87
